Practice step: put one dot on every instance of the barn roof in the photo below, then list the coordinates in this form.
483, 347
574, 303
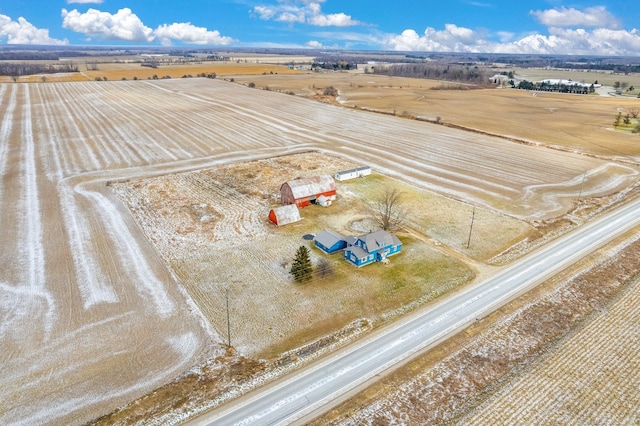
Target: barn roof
315, 185
286, 214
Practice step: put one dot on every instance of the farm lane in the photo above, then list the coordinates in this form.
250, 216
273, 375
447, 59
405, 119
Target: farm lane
294, 399
91, 315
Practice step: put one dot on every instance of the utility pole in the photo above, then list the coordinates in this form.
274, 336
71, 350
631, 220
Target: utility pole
582, 185
228, 320
473, 216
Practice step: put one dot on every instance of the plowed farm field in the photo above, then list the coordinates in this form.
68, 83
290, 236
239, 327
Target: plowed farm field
92, 315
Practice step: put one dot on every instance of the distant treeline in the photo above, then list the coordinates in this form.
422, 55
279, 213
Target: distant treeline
331, 62
37, 55
616, 68
17, 70
436, 71
544, 86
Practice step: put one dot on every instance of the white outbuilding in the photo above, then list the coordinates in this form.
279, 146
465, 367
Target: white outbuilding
353, 173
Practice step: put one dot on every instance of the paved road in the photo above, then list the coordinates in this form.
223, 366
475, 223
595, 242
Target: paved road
316, 387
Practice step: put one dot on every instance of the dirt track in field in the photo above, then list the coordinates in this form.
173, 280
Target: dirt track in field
91, 315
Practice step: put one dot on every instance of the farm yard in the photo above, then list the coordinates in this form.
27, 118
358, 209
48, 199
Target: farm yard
104, 294
211, 227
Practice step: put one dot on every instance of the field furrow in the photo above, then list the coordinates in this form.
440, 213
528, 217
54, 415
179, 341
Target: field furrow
101, 116
77, 142
581, 383
96, 132
149, 125
224, 130
49, 140
32, 250
8, 102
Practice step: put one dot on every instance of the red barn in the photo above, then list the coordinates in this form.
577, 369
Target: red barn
302, 192
284, 215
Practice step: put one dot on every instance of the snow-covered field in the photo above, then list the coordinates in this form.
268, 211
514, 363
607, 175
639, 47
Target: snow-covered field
91, 315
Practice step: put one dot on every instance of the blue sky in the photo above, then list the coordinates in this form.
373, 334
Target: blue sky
544, 26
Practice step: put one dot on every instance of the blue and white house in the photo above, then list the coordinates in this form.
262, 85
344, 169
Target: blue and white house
371, 247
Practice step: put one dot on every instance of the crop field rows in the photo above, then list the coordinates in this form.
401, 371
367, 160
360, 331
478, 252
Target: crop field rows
91, 314
592, 379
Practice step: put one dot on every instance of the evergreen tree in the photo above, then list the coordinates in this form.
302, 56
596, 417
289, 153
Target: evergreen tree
301, 268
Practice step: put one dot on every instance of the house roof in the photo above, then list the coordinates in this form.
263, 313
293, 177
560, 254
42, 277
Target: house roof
358, 169
328, 238
379, 239
359, 252
315, 185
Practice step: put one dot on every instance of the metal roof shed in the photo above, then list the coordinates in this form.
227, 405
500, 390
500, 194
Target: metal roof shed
285, 215
329, 241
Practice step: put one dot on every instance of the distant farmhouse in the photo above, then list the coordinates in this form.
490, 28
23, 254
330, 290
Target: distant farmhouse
359, 251
353, 173
302, 192
285, 215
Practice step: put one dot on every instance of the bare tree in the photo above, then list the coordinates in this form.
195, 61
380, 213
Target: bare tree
634, 112
330, 91
390, 214
324, 268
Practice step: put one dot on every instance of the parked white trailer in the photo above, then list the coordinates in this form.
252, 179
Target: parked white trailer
353, 173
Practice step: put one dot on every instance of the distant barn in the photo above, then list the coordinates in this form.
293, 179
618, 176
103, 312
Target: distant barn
284, 215
302, 192
353, 173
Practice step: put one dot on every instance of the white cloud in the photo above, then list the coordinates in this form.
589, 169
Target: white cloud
577, 42
23, 32
303, 11
124, 25
188, 33
331, 20
314, 44
593, 31
451, 39
265, 12
505, 36
592, 17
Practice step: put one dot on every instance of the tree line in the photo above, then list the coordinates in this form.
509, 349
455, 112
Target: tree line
17, 70
447, 72
544, 86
